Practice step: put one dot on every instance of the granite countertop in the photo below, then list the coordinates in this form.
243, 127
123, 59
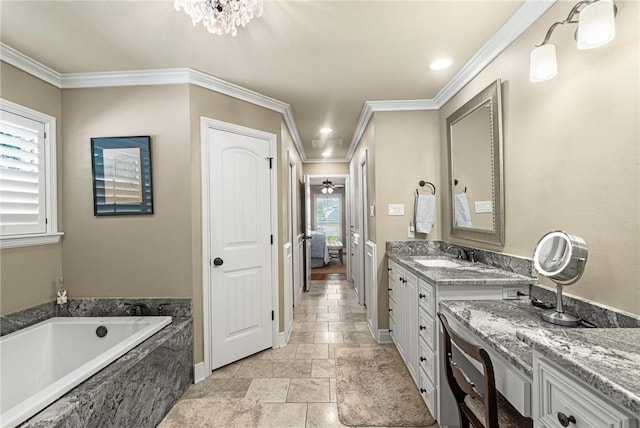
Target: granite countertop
606, 359
466, 274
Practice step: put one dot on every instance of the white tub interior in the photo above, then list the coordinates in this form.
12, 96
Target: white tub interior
41, 363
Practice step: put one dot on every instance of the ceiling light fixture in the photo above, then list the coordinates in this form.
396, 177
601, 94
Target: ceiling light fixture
327, 187
326, 130
326, 153
441, 64
221, 16
596, 27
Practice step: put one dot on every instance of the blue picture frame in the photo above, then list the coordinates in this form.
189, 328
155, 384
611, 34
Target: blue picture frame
122, 182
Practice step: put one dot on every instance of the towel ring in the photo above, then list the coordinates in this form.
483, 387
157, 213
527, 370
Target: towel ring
422, 183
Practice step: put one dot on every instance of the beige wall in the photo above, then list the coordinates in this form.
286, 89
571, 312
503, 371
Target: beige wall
128, 256
28, 276
572, 151
326, 168
407, 146
365, 147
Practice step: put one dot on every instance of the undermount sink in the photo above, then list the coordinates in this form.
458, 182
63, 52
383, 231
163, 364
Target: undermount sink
438, 263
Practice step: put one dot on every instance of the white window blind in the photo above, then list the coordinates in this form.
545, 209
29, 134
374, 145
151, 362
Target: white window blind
329, 215
22, 175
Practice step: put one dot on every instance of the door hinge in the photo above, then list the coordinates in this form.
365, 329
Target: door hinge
273, 316
271, 239
270, 162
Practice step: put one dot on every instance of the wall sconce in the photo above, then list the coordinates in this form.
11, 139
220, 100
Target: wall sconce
596, 27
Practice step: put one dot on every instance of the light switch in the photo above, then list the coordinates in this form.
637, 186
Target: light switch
395, 209
484, 207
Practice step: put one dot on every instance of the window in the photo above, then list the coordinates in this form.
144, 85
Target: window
28, 212
329, 216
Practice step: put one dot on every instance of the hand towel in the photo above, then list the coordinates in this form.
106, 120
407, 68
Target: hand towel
462, 215
425, 213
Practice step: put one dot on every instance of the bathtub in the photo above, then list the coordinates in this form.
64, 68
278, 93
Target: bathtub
42, 362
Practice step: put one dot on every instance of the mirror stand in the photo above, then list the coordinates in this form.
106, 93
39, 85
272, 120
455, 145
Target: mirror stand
558, 315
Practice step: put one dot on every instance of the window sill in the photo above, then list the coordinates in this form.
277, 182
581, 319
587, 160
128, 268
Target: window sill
29, 240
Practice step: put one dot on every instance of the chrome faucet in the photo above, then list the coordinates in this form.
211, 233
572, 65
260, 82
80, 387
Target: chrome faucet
139, 308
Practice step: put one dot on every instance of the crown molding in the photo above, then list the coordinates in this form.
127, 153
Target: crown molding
517, 24
170, 76
29, 65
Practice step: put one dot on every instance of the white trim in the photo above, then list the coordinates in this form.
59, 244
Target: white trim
384, 336
29, 65
18, 241
51, 235
199, 372
205, 124
522, 19
283, 339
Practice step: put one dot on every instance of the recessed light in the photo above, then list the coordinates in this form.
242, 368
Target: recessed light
326, 153
326, 130
441, 63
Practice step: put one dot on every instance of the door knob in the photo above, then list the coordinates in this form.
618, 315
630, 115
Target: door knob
218, 261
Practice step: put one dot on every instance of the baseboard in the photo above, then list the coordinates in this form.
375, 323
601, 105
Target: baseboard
384, 336
199, 372
282, 339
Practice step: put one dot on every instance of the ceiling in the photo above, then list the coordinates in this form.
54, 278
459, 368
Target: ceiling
324, 58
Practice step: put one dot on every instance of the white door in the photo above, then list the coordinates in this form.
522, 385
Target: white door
240, 246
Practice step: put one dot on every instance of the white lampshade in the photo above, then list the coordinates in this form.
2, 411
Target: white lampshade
543, 65
596, 25
324, 190
330, 189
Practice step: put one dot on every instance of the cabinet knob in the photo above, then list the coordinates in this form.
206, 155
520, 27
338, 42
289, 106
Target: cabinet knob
423, 359
390, 331
401, 279
388, 269
390, 310
390, 289
422, 390
404, 280
422, 296
422, 327
565, 420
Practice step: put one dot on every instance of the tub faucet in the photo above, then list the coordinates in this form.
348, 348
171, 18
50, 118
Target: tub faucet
138, 308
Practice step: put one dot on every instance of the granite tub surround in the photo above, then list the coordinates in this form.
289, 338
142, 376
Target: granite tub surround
600, 315
137, 390
22, 319
497, 322
97, 307
606, 359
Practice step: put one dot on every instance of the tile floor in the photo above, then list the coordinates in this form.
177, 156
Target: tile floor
297, 383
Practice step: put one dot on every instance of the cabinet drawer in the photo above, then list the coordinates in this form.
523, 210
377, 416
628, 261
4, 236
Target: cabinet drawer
559, 396
426, 330
428, 392
392, 329
427, 298
392, 309
427, 361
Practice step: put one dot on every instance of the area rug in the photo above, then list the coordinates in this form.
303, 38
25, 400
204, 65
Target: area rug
375, 388
214, 413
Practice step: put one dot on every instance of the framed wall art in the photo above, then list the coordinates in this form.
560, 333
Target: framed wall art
122, 176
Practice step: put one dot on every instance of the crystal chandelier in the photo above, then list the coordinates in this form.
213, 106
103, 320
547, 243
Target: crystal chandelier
221, 16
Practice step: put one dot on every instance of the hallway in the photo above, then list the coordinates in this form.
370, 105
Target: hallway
295, 386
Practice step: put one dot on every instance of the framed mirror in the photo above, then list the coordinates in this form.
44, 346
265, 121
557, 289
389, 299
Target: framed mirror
474, 144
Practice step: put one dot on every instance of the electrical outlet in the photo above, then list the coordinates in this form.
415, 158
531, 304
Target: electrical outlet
509, 293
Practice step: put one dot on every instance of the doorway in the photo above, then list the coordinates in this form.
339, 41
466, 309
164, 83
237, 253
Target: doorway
327, 225
239, 224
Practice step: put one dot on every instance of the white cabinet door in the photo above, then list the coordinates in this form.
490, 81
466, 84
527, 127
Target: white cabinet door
410, 310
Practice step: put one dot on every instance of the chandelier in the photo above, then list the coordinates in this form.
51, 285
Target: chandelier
221, 16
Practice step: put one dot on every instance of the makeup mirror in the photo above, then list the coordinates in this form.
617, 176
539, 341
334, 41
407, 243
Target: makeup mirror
560, 257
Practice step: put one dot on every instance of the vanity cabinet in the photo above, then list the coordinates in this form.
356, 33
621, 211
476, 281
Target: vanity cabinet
560, 400
428, 345
403, 313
